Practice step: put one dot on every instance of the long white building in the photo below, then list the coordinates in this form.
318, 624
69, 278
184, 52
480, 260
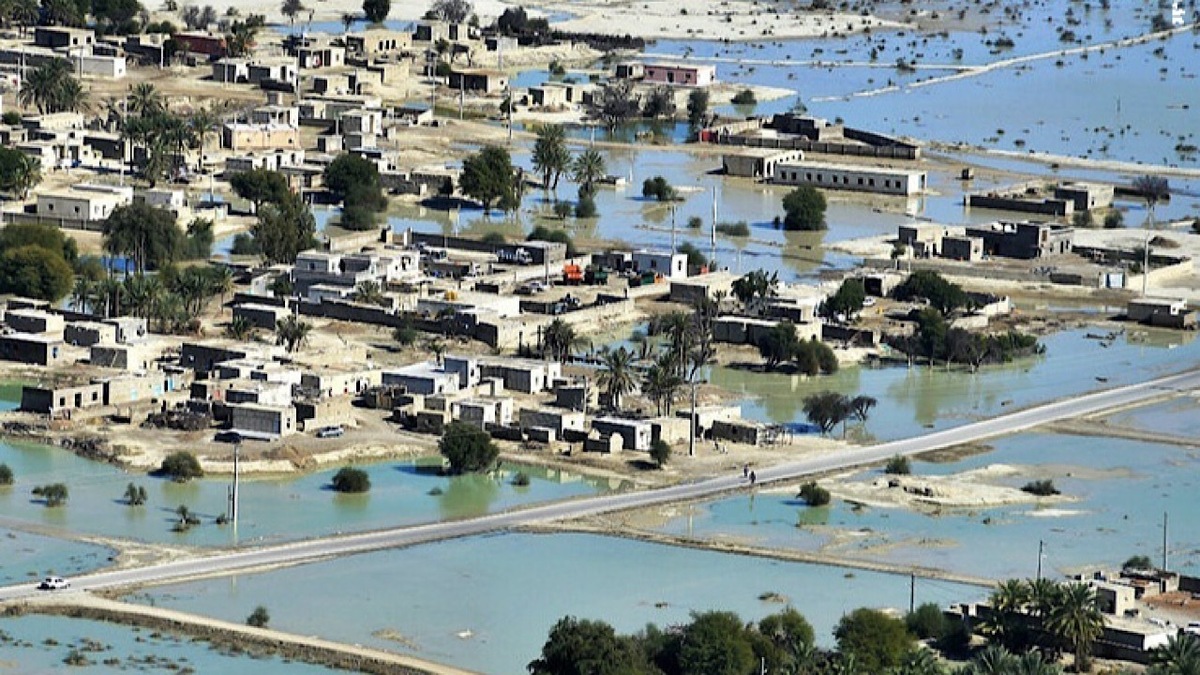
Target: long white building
850, 177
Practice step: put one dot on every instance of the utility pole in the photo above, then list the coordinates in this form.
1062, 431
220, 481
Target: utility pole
712, 236
1041, 546
673, 248
692, 422
1164, 565
233, 490
912, 592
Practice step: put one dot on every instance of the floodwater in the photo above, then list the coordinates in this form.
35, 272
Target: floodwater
404, 492
487, 603
34, 644
30, 557
915, 400
1118, 489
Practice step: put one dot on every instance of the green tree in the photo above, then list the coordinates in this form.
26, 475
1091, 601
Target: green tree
488, 176
377, 11
560, 236
659, 188
259, 618
291, 9
779, 343
660, 452
6, 475
284, 229
467, 448
695, 257
847, 301
53, 495
814, 495
147, 235
19, 173
242, 35
551, 158
715, 643
1075, 621
792, 637
453, 11
350, 173
587, 169
35, 272
616, 374
51, 88
927, 622
1114, 220
350, 479
1153, 190
661, 383
876, 640
614, 103
1138, 562
180, 467
898, 465
261, 186
804, 209
755, 287
560, 338
135, 495
198, 240
943, 295
582, 647
660, 102
697, 107
1180, 656
827, 409
292, 332
239, 329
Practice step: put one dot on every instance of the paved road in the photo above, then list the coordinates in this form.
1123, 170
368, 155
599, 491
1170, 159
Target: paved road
355, 543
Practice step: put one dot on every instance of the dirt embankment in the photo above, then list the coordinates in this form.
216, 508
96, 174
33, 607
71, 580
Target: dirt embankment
234, 637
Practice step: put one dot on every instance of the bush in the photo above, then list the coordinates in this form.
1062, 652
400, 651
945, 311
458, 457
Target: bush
405, 334
562, 210
468, 448
586, 207
1138, 562
350, 479
660, 452
180, 467
1041, 488
804, 209
695, 223
738, 229
814, 495
494, 238
1114, 220
6, 475
521, 479
695, 258
1083, 219
259, 618
659, 188
135, 495
744, 97
11, 118
245, 244
54, 494
927, 622
898, 465
542, 233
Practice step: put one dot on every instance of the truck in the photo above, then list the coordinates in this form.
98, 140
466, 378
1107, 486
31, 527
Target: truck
519, 256
572, 274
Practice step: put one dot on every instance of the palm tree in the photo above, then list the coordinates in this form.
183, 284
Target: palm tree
438, 348
560, 339
348, 20
994, 660
26, 173
588, 168
661, 384
1180, 656
222, 282
170, 311
550, 154
369, 293
239, 328
144, 99
24, 13
109, 292
291, 332
291, 8
203, 124
616, 374
63, 13
45, 87
919, 662
1076, 621
1007, 624
82, 293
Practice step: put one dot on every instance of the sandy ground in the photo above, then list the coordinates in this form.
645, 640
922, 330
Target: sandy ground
977, 488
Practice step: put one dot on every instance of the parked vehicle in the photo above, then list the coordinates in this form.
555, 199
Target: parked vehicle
334, 431
519, 256
54, 584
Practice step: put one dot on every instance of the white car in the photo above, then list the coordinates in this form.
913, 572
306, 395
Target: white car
54, 584
334, 431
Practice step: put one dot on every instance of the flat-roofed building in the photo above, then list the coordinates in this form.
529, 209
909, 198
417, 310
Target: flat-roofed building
851, 177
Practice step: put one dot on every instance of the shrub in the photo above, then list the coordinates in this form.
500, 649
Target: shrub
898, 464
405, 334
660, 452
1138, 562
1083, 219
259, 618
738, 229
927, 622
245, 244
814, 495
659, 188
494, 238
135, 495
6, 475
542, 233
467, 448
1041, 488
180, 467
562, 210
1114, 220
804, 209
521, 479
54, 494
586, 207
744, 97
695, 223
350, 479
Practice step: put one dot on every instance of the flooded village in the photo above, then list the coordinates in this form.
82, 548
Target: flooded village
604, 336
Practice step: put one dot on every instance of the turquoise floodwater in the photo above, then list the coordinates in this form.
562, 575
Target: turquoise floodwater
272, 510
1177, 417
508, 590
911, 401
1118, 493
36, 645
29, 557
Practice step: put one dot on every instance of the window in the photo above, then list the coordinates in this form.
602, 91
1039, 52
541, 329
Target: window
871, 182
807, 176
50, 207
860, 181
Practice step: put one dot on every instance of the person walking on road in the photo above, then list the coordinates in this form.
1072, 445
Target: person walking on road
753, 478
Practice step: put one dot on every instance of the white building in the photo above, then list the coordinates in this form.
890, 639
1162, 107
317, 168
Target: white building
83, 202
668, 264
851, 177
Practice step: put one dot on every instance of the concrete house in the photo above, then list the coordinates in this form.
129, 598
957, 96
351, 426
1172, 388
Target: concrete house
60, 37
422, 378
679, 74
850, 177
261, 316
239, 136
377, 42
548, 95
34, 321
481, 80
59, 401
38, 350
669, 264
635, 434
262, 422
140, 355
557, 420
87, 203
523, 375
1164, 312
88, 333
1025, 241
758, 162
481, 412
